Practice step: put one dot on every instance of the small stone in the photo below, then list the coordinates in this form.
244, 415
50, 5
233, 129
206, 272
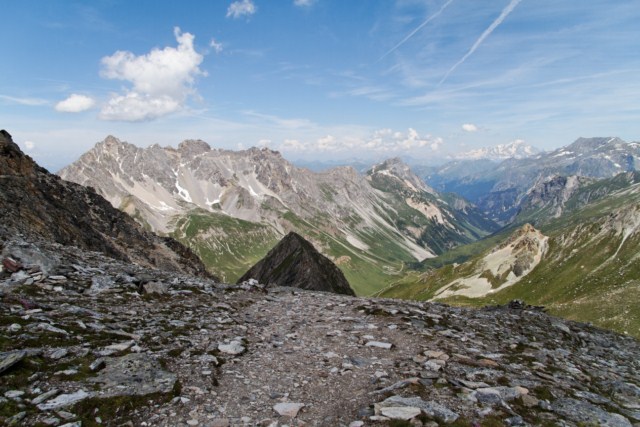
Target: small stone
529, 401
58, 353
51, 421
400, 412
64, 400
356, 424
14, 327
44, 396
288, 409
73, 424
379, 344
115, 348
222, 422
434, 354
16, 419
158, 288
193, 422
233, 348
13, 394
97, 365
488, 395
7, 360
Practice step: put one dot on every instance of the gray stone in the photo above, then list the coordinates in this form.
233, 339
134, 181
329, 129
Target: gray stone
100, 284
433, 409
9, 359
14, 327
64, 400
133, 374
115, 348
233, 348
379, 344
13, 394
489, 396
288, 409
155, 288
58, 353
44, 396
400, 412
585, 412
97, 365
16, 419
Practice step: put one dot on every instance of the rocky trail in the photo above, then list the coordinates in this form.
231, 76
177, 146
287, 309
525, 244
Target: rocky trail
87, 340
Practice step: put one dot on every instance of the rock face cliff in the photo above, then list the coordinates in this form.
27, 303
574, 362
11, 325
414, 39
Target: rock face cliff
40, 205
295, 262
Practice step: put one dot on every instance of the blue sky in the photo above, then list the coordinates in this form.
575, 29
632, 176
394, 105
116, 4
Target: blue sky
319, 79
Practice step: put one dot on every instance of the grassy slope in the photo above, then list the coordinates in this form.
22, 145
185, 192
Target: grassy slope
227, 246
587, 274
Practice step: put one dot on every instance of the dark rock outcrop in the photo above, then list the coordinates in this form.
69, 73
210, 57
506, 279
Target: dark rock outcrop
41, 206
295, 262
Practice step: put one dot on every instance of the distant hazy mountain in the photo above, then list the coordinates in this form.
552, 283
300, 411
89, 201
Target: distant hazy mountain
231, 207
499, 189
514, 150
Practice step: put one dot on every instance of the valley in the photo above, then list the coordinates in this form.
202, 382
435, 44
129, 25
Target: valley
532, 225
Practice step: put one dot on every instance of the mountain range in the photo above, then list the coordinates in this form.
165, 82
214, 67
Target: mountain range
498, 189
391, 232
232, 207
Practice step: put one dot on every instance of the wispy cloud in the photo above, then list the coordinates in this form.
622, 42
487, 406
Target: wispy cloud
216, 45
418, 28
505, 12
304, 3
32, 102
241, 8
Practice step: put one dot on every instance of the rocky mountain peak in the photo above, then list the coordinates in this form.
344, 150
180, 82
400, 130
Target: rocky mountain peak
585, 145
296, 263
396, 168
193, 147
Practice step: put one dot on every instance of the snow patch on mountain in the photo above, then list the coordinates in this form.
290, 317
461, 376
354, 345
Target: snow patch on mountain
514, 150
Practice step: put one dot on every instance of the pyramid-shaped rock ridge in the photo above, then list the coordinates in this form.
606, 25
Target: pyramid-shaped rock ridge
295, 262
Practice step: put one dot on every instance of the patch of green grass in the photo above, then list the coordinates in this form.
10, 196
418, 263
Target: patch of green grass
227, 246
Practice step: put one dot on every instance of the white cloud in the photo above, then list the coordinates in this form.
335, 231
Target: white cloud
32, 102
216, 45
75, 104
469, 127
241, 8
264, 142
304, 3
382, 141
161, 80
292, 145
29, 145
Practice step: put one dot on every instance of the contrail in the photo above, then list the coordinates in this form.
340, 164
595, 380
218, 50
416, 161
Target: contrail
507, 10
412, 33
